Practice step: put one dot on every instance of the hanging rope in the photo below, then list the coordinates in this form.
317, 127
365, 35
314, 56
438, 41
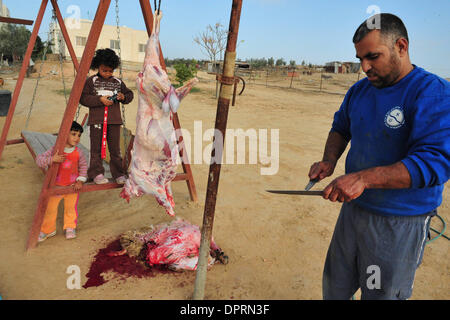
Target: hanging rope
159, 5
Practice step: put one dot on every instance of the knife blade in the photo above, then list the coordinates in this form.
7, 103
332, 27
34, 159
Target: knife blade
297, 192
311, 184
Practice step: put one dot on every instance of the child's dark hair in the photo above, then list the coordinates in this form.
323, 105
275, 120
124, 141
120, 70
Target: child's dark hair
106, 57
76, 127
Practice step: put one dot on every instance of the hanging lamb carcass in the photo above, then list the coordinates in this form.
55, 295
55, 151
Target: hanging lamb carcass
155, 150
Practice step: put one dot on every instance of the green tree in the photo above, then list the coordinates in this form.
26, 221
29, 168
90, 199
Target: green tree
172, 62
185, 72
280, 62
39, 49
258, 63
14, 41
270, 62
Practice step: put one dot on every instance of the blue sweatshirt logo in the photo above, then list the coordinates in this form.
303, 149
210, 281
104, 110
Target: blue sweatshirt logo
394, 118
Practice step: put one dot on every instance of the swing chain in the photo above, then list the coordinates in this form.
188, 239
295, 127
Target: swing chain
78, 113
62, 71
118, 38
54, 18
44, 57
60, 49
121, 79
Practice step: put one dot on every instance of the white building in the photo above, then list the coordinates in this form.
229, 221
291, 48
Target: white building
132, 42
333, 67
4, 12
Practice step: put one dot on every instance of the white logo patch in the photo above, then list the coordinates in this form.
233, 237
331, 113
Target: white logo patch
394, 118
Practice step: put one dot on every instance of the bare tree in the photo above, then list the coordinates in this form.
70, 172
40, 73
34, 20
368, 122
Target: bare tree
212, 41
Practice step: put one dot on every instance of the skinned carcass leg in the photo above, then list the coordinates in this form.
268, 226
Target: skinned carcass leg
177, 245
155, 150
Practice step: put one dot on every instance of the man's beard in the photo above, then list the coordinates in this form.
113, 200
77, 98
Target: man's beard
391, 77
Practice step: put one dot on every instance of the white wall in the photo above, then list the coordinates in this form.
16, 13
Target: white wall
129, 38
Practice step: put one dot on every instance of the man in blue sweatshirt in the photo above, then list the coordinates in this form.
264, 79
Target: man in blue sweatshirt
398, 122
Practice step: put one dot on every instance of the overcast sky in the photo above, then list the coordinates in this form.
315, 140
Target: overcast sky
315, 31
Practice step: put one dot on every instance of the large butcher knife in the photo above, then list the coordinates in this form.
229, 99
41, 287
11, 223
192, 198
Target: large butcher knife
305, 192
297, 192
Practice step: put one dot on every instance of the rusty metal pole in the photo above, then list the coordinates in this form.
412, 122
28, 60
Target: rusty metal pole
16, 21
292, 77
227, 82
321, 78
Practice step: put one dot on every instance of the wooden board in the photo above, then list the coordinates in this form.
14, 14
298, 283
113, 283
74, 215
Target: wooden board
85, 140
39, 142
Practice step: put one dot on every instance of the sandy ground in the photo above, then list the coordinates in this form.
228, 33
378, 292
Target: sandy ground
276, 244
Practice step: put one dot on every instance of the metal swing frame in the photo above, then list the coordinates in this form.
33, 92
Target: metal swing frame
48, 187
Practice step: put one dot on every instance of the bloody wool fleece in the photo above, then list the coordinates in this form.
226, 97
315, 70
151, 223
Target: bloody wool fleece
408, 122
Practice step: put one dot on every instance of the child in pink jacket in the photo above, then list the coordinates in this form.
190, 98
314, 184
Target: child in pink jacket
72, 171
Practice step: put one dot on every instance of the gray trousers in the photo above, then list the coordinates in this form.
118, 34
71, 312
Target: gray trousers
379, 254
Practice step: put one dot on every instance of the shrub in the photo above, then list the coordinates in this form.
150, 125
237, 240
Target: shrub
185, 72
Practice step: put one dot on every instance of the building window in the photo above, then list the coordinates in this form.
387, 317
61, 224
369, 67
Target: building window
114, 44
81, 41
142, 47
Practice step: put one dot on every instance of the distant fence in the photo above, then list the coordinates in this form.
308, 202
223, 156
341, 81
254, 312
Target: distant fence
306, 80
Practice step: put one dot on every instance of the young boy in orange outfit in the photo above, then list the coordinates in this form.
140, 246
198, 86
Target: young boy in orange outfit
72, 171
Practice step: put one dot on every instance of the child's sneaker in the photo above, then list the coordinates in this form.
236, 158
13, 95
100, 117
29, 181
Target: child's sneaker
121, 180
100, 179
70, 233
44, 236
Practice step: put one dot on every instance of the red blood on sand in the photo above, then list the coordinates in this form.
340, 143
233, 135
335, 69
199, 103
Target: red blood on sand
124, 266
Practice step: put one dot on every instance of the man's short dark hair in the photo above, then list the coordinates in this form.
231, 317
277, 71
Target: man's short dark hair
106, 57
389, 25
76, 127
